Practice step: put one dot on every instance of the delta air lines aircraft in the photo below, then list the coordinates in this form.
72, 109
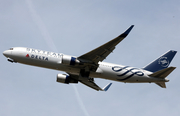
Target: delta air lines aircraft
89, 65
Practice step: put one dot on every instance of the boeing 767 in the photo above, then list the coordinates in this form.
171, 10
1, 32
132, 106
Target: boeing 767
89, 65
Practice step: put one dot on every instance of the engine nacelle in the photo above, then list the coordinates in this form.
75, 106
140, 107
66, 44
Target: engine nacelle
63, 78
69, 60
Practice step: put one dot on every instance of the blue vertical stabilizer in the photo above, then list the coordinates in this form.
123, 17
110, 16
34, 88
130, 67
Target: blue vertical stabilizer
162, 62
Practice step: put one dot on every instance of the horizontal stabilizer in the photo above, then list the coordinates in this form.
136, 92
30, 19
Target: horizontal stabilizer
163, 73
161, 84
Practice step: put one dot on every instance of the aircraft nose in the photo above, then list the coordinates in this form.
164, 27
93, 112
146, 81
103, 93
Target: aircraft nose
7, 53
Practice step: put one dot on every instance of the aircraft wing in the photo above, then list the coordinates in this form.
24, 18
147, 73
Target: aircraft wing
90, 83
93, 85
93, 57
100, 53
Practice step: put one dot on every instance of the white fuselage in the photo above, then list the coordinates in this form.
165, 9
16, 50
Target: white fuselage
105, 70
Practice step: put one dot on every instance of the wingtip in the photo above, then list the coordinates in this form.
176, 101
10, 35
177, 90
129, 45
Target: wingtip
107, 87
127, 31
173, 51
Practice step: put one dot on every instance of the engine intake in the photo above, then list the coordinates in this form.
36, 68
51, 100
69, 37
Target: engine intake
63, 78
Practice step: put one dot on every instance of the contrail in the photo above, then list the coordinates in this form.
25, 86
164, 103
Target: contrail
41, 26
80, 101
37, 19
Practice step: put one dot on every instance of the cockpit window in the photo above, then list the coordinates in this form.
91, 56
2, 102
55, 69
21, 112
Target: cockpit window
11, 49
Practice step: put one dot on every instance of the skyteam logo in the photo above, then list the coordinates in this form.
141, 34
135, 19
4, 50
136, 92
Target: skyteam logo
163, 61
127, 72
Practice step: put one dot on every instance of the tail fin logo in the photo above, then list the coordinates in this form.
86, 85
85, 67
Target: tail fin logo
163, 61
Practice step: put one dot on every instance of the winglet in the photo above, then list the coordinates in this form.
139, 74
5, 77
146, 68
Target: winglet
107, 87
127, 31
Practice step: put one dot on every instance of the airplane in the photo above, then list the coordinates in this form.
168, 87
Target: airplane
89, 65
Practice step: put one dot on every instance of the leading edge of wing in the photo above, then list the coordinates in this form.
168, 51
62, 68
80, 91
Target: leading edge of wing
100, 53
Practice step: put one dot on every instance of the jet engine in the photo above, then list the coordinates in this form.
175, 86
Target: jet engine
63, 78
69, 60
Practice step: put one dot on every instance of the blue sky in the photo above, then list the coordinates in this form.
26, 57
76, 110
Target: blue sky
74, 28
